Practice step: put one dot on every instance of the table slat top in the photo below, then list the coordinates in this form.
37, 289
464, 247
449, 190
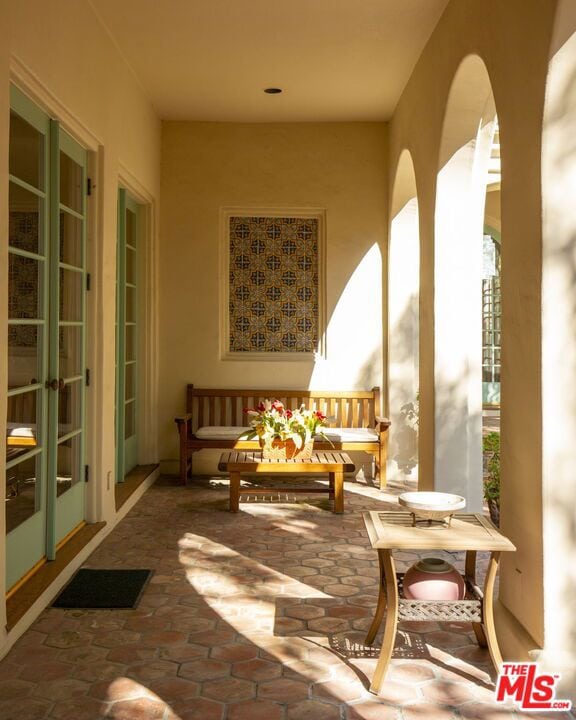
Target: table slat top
467, 531
253, 461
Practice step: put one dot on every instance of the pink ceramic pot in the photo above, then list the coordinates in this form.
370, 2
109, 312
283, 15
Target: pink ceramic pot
433, 579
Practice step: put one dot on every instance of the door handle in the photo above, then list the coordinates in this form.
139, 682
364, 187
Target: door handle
55, 384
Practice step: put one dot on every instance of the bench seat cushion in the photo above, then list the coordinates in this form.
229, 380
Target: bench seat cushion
215, 432
349, 435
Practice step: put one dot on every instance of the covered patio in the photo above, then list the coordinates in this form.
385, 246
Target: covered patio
333, 200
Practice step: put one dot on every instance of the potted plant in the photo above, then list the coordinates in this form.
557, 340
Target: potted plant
491, 448
284, 433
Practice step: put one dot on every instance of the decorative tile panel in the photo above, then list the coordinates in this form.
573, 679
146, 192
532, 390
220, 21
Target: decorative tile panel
273, 284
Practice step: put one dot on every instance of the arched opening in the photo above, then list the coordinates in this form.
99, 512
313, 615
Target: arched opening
403, 327
466, 150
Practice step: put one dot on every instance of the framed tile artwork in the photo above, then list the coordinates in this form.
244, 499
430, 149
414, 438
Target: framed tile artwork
273, 284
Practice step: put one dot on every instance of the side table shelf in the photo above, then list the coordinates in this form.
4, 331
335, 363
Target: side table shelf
467, 610
469, 532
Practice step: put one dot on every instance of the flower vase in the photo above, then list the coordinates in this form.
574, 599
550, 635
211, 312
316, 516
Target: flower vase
433, 579
286, 450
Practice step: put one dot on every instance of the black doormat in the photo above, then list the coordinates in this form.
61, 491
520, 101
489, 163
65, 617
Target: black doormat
91, 588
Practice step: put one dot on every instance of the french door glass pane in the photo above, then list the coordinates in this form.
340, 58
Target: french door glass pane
130, 266
69, 408
69, 464
71, 295
71, 231
129, 419
24, 283
71, 183
26, 152
130, 382
130, 304
70, 357
22, 496
22, 422
130, 342
25, 222
25, 362
23, 435
130, 228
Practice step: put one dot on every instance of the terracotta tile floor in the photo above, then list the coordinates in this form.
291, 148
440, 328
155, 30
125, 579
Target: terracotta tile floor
255, 616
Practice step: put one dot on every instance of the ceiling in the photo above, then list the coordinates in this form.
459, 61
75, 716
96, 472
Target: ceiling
336, 60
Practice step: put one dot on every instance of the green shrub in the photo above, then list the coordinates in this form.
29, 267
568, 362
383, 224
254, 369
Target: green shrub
491, 446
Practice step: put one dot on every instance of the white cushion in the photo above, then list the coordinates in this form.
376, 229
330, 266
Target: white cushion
349, 435
232, 432
215, 432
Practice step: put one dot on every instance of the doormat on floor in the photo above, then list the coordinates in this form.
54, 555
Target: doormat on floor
93, 588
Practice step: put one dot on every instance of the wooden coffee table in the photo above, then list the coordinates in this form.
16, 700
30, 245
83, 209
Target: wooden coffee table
333, 463
472, 532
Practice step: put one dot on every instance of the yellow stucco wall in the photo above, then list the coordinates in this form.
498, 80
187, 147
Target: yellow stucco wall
340, 168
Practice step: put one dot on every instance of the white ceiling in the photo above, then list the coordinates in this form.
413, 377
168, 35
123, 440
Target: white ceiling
211, 59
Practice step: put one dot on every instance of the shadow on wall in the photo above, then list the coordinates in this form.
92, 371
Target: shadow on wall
404, 415
458, 452
405, 451
370, 369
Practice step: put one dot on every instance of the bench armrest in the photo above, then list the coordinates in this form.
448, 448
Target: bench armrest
382, 424
183, 422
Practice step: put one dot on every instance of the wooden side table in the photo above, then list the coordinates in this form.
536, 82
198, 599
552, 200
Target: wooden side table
394, 530
333, 463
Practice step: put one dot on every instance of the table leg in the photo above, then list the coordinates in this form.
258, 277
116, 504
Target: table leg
337, 480
234, 491
470, 574
380, 607
391, 623
488, 611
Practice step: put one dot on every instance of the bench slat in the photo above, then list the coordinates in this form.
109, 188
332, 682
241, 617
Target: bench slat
355, 414
200, 412
341, 412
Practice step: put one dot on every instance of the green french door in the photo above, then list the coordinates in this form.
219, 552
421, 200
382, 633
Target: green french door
126, 336
46, 337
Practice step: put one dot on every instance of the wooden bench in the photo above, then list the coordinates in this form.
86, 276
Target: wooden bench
215, 419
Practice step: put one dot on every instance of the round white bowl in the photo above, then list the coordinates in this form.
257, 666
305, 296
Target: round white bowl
432, 505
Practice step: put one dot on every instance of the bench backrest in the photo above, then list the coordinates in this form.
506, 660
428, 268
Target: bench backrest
349, 408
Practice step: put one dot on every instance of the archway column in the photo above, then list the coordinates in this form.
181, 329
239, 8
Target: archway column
458, 261
403, 324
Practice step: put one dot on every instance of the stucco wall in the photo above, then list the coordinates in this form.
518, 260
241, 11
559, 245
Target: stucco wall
559, 348
513, 39
340, 168
60, 55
